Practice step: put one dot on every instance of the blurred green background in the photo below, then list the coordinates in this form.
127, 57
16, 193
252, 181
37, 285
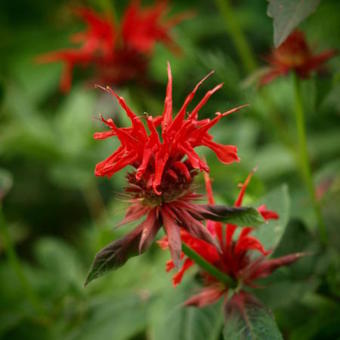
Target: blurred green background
56, 214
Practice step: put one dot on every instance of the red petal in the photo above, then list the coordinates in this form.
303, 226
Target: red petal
194, 112
226, 153
267, 214
181, 113
177, 278
167, 113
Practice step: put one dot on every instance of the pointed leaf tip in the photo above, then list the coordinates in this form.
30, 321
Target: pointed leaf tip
115, 254
241, 216
287, 15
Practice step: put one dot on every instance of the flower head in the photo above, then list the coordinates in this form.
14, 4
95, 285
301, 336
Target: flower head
164, 165
295, 55
233, 256
151, 25
119, 52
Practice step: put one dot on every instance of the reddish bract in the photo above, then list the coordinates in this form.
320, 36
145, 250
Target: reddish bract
118, 52
295, 55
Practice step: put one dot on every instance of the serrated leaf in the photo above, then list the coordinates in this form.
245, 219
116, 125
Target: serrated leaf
287, 15
241, 216
271, 232
6, 183
247, 319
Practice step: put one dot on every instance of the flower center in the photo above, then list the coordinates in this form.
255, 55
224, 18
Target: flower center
171, 188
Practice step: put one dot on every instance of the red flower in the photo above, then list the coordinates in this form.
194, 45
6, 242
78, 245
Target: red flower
118, 53
294, 55
151, 26
232, 257
164, 167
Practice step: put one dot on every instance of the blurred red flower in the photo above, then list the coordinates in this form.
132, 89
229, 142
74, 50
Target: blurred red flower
165, 164
232, 257
295, 55
118, 52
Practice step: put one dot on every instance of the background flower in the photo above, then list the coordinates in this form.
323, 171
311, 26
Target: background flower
295, 55
118, 52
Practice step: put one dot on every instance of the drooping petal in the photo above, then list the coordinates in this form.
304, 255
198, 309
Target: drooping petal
194, 112
267, 214
226, 153
243, 186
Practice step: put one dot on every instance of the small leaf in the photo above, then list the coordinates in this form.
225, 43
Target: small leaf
241, 216
287, 15
247, 319
270, 233
115, 254
6, 183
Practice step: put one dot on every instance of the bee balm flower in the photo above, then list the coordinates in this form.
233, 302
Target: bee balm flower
119, 52
294, 55
164, 165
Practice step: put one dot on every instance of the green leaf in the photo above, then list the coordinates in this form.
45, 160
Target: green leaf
243, 216
6, 182
270, 233
171, 320
112, 317
115, 255
288, 14
246, 319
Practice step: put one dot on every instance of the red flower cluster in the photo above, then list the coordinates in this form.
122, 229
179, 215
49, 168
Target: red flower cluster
119, 53
294, 54
165, 165
231, 257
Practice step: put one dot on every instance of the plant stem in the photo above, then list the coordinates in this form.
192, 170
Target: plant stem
15, 263
212, 270
109, 7
304, 158
276, 122
237, 35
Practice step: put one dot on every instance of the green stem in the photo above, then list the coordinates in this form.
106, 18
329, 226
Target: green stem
109, 7
304, 158
15, 263
279, 126
212, 270
237, 35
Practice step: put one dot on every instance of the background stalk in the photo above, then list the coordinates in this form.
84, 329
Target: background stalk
237, 36
303, 159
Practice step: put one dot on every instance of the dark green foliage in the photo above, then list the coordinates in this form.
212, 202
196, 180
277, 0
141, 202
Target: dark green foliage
58, 214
